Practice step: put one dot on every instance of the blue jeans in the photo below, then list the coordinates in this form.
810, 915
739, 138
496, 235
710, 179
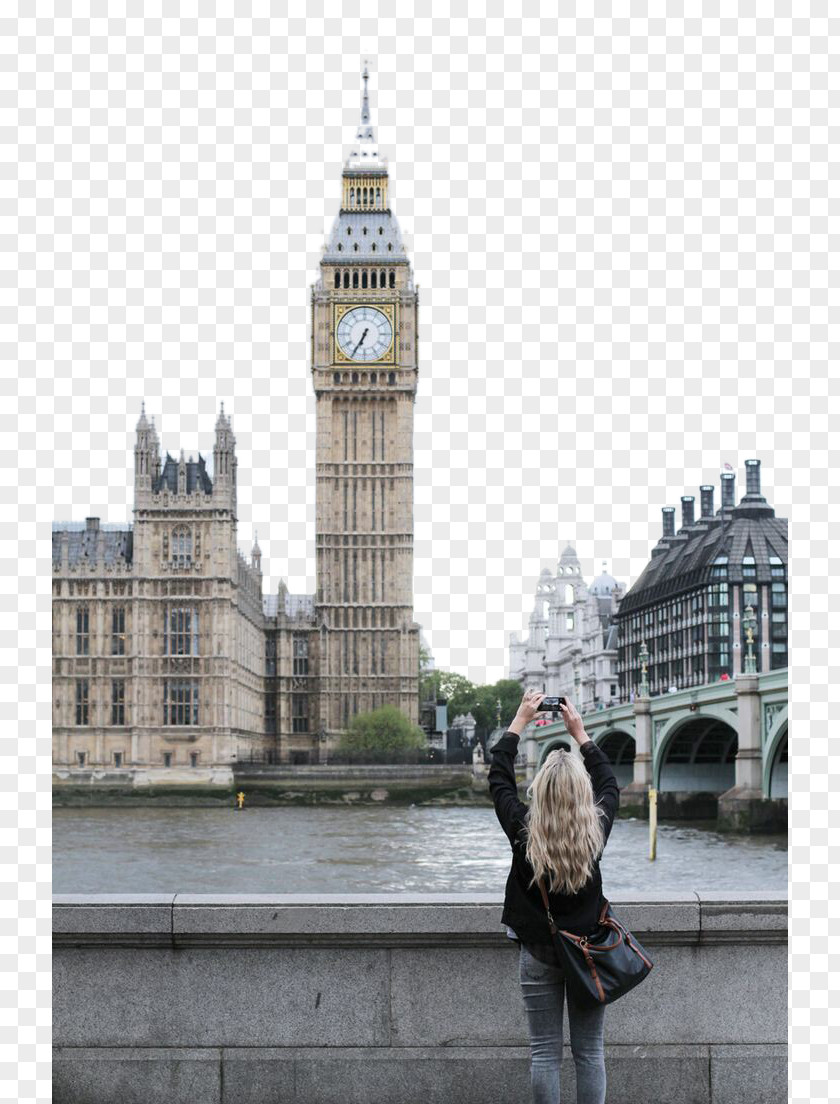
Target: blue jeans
543, 988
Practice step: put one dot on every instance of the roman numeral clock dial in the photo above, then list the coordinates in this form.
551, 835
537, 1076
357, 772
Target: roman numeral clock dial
364, 334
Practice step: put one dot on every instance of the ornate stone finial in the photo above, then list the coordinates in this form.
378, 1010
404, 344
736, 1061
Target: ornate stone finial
142, 423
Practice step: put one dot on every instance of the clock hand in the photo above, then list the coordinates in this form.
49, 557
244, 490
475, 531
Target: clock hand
361, 339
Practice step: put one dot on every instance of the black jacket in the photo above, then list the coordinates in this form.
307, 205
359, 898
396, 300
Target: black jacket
523, 910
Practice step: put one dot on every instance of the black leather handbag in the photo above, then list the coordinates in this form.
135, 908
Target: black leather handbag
604, 965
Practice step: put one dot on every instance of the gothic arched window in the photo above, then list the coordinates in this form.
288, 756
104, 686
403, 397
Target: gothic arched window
391, 279
347, 279
373, 248
373, 276
382, 277
181, 547
355, 279
352, 197
364, 279
338, 279
378, 193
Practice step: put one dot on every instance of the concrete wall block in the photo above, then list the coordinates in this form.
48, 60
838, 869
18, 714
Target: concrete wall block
749, 1074
135, 913
440, 998
651, 913
715, 993
338, 914
98, 1076
444, 998
220, 997
730, 911
495, 1076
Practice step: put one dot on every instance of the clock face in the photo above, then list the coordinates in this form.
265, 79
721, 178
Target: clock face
364, 334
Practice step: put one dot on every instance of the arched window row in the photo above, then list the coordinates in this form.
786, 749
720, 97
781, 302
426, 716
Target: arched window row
365, 278
366, 197
364, 377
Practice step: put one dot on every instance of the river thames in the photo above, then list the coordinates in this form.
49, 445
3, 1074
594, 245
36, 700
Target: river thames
373, 849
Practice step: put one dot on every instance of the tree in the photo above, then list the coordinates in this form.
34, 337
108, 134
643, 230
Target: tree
481, 702
385, 729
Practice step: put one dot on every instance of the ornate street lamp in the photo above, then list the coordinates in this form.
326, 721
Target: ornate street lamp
498, 712
750, 625
644, 690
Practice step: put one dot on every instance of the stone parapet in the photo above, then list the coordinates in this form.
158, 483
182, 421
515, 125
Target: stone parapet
398, 997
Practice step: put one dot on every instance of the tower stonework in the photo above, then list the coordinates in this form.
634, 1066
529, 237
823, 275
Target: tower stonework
364, 373
167, 656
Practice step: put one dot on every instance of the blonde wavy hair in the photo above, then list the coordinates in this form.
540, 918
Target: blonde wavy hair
563, 824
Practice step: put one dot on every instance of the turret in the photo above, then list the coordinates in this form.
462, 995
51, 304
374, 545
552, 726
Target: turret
224, 460
146, 455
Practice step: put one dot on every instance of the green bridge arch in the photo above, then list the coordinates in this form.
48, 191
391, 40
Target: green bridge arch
676, 722
775, 736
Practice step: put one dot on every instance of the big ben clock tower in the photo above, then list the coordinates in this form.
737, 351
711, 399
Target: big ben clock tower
364, 372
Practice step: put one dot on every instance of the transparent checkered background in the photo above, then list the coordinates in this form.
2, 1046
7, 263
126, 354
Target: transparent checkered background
619, 223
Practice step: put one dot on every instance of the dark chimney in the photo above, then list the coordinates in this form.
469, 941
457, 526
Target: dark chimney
753, 477
92, 524
687, 511
667, 521
727, 490
707, 501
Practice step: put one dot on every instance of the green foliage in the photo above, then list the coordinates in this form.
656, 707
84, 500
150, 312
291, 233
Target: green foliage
383, 729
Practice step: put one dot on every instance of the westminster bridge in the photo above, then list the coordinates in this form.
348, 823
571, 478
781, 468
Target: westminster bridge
718, 750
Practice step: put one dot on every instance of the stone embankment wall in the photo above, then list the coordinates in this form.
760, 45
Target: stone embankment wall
397, 998
300, 785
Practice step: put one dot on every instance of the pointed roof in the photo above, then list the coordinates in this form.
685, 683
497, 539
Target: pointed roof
369, 235
142, 424
365, 152
196, 471
222, 422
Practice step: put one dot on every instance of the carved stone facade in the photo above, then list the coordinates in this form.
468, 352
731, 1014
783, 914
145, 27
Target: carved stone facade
158, 629
571, 647
165, 651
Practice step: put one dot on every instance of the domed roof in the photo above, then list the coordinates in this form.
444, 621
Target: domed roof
604, 585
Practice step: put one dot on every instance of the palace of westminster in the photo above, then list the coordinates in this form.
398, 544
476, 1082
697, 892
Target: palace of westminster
166, 652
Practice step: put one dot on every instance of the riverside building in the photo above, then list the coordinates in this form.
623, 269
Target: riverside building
688, 605
571, 646
166, 653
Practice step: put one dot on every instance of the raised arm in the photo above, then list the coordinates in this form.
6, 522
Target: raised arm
604, 783
502, 781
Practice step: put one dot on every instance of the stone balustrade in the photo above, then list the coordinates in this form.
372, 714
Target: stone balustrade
399, 998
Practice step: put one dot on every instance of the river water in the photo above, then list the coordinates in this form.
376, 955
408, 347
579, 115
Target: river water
372, 849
